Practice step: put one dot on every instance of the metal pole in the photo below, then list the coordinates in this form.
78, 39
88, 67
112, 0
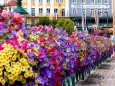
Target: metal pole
85, 21
113, 16
107, 20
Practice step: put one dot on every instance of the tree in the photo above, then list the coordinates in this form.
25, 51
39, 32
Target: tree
66, 24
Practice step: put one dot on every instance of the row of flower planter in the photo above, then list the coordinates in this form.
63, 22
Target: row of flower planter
44, 56
80, 75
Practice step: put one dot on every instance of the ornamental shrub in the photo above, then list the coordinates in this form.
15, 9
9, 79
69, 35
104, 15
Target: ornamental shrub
43, 21
54, 22
66, 24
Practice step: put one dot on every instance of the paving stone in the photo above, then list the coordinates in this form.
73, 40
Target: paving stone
103, 76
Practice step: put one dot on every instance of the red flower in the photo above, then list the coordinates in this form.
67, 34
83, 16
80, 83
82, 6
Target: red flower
59, 53
72, 36
67, 41
79, 45
50, 49
49, 30
42, 40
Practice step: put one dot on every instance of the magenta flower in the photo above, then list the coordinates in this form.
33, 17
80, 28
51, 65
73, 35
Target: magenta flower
1, 47
41, 54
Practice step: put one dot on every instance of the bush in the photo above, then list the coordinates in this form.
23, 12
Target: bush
53, 23
43, 21
66, 24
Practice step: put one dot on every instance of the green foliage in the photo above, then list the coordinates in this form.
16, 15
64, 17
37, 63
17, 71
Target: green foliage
53, 23
44, 21
66, 24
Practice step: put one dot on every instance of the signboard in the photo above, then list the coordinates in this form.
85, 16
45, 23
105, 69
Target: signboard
112, 37
93, 26
90, 6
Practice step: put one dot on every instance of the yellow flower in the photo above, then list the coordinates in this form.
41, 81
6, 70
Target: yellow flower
23, 81
11, 82
14, 58
13, 71
20, 39
22, 60
3, 81
36, 84
26, 75
18, 55
23, 68
6, 73
7, 64
1, 68
30, 73
10, 76
15, 78
21, 77
36, 53
9, 46
1, 63
29, 50
4, 45
35, 74
0, 72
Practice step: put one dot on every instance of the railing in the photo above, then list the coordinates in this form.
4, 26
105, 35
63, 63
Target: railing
80, 75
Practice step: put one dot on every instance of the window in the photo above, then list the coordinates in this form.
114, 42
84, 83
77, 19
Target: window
48, 10
33, 11
74, 11
40, 10
105, 10
32, 0
100, 12
40, 0
92, 1
73, 1
32, 21
63, 12
48, 0
106, 1
99, 1
83, 1
24, 0
92, 12
55, 10
83, 10
59, 1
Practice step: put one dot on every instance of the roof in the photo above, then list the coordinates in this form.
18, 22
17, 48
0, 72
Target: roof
12, 3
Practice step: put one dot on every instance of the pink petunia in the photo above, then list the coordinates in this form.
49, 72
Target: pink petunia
41, 54
16, 15
4, 14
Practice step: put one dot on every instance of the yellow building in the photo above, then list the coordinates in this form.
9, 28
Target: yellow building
41, 8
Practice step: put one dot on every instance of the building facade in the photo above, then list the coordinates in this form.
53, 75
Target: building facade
41, 8
103, 10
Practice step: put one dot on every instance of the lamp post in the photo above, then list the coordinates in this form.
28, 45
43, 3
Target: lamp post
113, 16
107, 18
21, 10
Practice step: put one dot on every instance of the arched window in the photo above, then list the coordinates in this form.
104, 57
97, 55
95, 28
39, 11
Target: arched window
63, 12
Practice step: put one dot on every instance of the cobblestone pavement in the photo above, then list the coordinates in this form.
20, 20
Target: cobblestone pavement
103, 76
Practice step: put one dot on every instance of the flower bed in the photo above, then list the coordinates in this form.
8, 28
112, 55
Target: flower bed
45, 56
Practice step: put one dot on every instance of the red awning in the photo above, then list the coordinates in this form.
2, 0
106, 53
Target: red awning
12, 3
